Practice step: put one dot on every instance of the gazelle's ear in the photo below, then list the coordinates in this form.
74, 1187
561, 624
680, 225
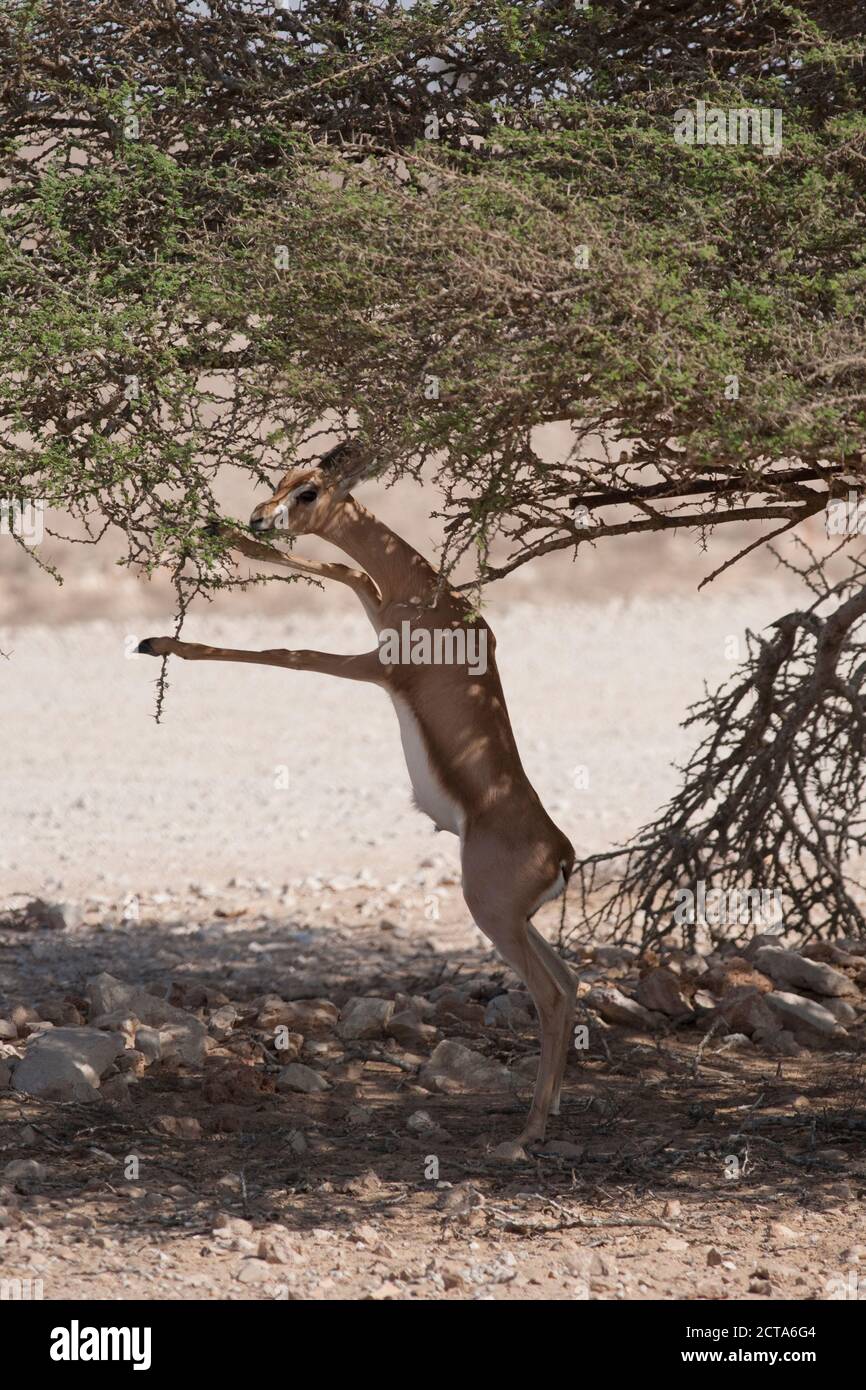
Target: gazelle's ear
347, 463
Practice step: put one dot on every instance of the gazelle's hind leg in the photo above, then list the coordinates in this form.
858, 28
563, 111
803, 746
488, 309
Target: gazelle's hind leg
500, 893
566, 980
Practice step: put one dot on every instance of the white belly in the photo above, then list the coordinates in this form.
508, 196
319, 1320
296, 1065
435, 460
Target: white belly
552, 892
430, 796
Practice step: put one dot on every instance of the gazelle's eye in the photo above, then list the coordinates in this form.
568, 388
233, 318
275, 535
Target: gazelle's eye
309, 496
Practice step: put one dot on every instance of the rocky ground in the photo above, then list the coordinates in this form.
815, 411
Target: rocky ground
310, 1091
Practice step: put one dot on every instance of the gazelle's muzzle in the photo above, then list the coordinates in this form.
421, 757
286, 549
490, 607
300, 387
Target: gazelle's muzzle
268, 515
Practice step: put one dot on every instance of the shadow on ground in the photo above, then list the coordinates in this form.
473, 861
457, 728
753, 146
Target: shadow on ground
646, 1123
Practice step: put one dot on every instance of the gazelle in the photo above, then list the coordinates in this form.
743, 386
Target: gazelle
457, 738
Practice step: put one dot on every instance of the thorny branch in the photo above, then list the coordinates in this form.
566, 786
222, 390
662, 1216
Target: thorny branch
773, 799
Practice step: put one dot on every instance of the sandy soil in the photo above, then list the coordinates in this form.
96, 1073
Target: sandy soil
271, 776
199, 874
242, 1191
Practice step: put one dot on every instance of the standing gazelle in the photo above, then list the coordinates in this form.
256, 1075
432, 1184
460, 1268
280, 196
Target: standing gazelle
457, 738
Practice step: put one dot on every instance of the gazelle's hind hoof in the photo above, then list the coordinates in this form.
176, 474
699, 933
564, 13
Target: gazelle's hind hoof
154, 646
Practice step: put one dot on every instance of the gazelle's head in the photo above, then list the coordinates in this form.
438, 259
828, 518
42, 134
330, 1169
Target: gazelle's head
307, 497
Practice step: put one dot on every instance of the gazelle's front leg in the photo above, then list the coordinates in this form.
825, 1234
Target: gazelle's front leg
365, 667
361, 583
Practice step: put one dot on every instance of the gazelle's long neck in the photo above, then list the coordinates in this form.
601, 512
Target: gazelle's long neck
398, 570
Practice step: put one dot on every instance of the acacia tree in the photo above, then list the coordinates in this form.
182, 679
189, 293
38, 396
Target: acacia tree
231, 227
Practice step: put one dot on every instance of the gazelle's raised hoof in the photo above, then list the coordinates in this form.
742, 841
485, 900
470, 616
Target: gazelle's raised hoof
457, 738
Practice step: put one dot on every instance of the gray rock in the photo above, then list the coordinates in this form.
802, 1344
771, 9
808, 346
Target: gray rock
660, 991
460, 1200
442, 991
410, 1031
297, 1077
26, 1020
148, 1042
106, 994
508, 1011
457, 1004
791, 971
424, 1126
298, 1015
116, 1090
179, 1126
288, 1045
121, 1021
525, 1069
61, 1013
132, 1062
780, 1234
616, 1007
320, 1050
587, 1265
25, 1170
455, 1067
842, 1011
225, 1227
783, 1043
67, 914
804, 1016
275, 1247
745, 1010
255, 1271
185, 1034
509, 1151
44, 916
365, 1018
613, 955
417, 1003
66, 1063
222, 1020
762, 939
830, 951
